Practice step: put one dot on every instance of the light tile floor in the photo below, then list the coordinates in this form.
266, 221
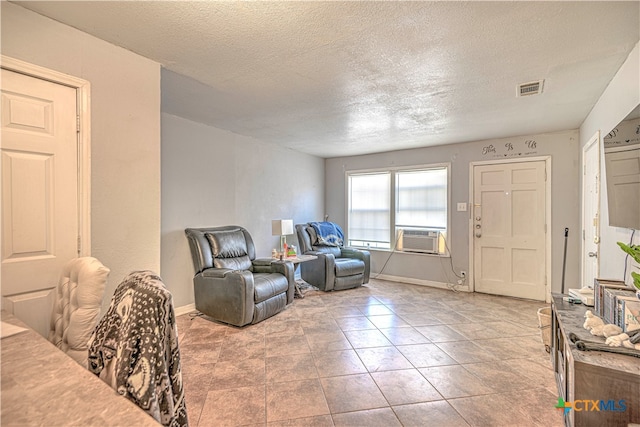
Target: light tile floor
386, 354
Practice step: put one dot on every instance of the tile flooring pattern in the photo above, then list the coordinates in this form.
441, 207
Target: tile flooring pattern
386, 354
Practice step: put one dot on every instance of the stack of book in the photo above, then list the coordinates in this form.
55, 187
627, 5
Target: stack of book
628, 313
599, 285
617, 303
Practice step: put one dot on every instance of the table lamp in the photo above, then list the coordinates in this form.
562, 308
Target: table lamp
282, 228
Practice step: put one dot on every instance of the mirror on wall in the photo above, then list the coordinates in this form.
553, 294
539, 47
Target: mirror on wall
622, 169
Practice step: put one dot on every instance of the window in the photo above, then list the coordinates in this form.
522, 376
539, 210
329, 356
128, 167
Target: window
369, 213
419, 197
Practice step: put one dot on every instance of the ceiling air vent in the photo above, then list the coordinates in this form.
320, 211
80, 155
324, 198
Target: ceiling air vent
531, 88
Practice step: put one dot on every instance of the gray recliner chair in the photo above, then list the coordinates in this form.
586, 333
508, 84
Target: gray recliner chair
230, 284
336, 268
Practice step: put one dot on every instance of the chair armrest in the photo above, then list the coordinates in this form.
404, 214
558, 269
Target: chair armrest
326, 258
284, 267
287, 269
319, 272
354, 253
218, 273
261, 265
226, 295
360, 254
316, 253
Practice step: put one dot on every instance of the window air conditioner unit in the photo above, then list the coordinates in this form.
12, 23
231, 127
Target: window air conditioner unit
419, 240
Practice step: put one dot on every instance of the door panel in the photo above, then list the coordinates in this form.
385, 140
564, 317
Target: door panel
39, 183
524, 176
522, 269
492, 225
492, 263
524, 206
27, 203
509, 229
491, 177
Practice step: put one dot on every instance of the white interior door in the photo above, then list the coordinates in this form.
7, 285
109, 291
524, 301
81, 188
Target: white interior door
509, 229
590, 210
39, 191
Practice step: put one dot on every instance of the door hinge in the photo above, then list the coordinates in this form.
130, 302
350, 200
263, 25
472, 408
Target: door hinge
583, 234
79, 244
545, 229
78, 124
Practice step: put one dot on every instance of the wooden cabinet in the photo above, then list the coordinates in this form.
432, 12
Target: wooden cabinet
602, 387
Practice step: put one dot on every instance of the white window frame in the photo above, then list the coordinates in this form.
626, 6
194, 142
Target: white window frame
393, 200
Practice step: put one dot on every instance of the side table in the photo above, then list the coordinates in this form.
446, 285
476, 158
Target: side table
296, 260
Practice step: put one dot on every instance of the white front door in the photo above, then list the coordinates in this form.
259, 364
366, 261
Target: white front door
509, 226
590, 210
39, 191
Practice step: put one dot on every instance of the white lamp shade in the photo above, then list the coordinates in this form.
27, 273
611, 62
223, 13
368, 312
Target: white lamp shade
281, 227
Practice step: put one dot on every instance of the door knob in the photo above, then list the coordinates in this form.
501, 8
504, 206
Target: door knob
478, 234
593, 254
478, 226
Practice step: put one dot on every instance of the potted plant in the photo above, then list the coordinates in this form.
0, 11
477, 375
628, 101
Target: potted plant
634, 252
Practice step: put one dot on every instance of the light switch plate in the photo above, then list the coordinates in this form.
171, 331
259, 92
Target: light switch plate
462, 207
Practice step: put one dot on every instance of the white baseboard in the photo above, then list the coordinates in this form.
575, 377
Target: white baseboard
421, 282
184, 309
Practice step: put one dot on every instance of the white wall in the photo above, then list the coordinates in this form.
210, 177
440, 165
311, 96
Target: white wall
212, 177
561, 146
619, 99
125, 134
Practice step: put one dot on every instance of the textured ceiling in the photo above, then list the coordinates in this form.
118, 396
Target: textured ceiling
345, 78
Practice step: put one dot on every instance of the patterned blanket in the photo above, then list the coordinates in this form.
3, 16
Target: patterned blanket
135, 348
329, 233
